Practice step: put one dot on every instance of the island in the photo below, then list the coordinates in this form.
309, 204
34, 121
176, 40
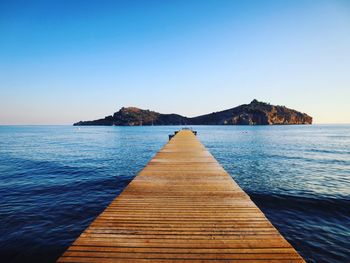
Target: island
254, 113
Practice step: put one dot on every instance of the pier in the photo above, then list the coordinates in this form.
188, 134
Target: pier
182, 207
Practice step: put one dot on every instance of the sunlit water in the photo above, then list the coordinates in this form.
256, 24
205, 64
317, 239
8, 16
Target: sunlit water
54, 180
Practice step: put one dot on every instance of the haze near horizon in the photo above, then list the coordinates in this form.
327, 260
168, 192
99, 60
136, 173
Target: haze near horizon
65, 61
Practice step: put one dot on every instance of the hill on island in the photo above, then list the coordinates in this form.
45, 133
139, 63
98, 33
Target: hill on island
254, 113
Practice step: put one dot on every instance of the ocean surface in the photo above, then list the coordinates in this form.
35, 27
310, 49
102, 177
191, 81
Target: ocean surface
54, 180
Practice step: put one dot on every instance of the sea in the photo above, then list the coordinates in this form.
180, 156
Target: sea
54, 180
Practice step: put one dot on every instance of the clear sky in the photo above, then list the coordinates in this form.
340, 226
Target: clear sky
65, 61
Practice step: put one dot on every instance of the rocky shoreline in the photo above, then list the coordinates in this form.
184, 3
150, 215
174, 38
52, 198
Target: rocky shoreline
254, 113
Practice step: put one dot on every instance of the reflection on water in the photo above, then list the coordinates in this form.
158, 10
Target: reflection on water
54, 180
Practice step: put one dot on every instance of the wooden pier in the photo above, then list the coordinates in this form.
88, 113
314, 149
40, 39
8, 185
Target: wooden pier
182, 207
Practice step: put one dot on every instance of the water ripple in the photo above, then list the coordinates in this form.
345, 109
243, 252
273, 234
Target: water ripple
54, 180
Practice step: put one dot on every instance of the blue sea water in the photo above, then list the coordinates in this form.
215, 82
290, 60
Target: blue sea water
54, 180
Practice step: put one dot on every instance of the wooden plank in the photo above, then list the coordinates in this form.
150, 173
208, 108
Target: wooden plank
182, 207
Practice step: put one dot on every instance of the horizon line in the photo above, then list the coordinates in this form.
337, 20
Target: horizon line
68, 124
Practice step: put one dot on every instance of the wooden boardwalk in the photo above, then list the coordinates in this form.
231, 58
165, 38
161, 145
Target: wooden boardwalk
182, 207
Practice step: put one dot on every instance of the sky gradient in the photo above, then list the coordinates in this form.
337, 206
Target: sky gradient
65, 61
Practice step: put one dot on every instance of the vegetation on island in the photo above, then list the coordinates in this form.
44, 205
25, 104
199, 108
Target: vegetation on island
254, 113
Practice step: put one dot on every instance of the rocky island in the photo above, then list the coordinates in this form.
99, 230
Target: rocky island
254, 113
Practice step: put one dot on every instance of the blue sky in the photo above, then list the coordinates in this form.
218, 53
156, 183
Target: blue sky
65, 61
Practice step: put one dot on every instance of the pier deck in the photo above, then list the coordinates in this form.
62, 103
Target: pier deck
182, 207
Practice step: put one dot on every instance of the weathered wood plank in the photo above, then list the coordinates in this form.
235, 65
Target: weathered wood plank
183, 207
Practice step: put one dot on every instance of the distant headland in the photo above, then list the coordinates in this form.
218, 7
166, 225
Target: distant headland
254, 113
